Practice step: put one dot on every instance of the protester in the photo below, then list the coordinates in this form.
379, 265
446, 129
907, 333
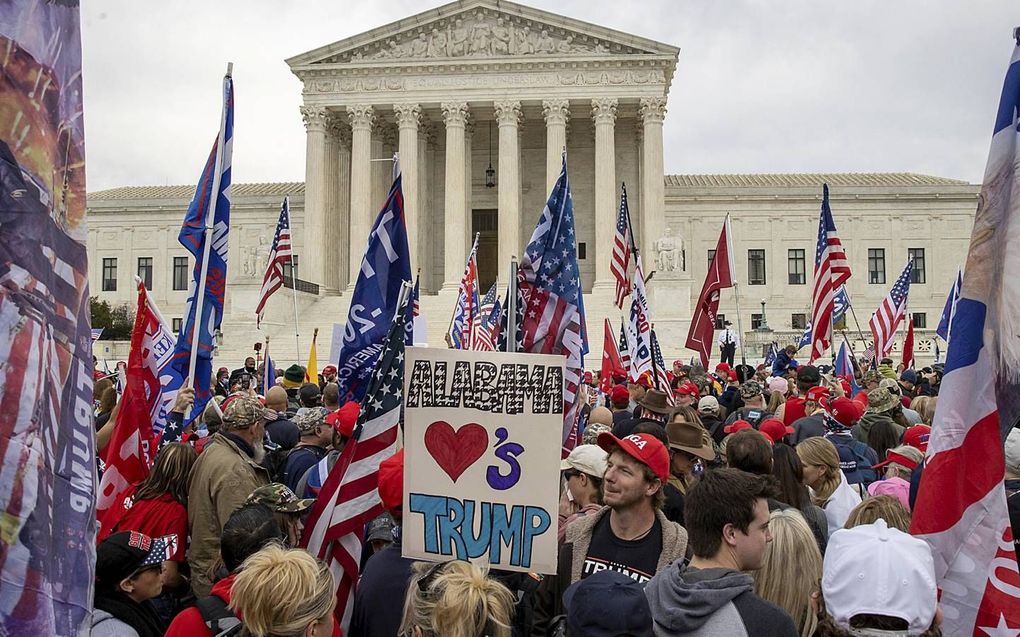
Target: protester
882, 438
379, 533
222, 386
293, 379
784, 361
582, 473
456, 599
310, 396
1012, 454
281, 429
728, 520
342, 423
882, 407
789, 474
619, 399
753, 410
104, 397
880, 507
897, 468
910, 417
287, 508
305, 609
630, 534
600, 420
877, 580
793, 408
224, 475
689, 445
812, 423
775, 430
792, 569
637, 390
606, 604
687, 394
830, 489
709, 411
316, 437
129, 573
236, 375
856, 459
328, 376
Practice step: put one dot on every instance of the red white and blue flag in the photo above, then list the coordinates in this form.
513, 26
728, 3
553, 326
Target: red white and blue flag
549, 283
961, 502
279, 255
625, 350
483, 329
886, 319
947, 311
659, 364
639, 326
832, 269
622, 241
466, 309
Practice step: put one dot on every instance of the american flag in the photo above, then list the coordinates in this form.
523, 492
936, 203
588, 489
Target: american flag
349, 498
621, 251
466, 309
483, 323
550, 289
416, 296
832, 269
279, 254
887, 317
625, 349
661, 378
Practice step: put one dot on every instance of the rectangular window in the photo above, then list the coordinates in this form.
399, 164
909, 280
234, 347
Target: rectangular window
288, 267
180, 273
917, 254
755, 321
797, 266
582, 251
711, 256
798, 321
145, 271
720, 321
756, 267
110, 275
876, 265
177, 324
920, 320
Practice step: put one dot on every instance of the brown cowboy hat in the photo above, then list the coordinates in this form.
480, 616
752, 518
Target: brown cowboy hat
655, 400
690, 437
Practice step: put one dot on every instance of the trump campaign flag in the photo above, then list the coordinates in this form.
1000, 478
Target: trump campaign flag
465, 312
384, 269
701, 336
947, 311
639, 338
205, 235
961, 502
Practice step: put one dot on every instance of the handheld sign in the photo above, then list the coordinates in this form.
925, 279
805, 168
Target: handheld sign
482, 457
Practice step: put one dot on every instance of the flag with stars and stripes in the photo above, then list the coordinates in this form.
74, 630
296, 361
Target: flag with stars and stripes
659, 364
947, 311
416, 296
624, 348
349, 498
622, 241
279, 254
886, 319
503, 317
552, 301
466, 309
481, 338
832, 270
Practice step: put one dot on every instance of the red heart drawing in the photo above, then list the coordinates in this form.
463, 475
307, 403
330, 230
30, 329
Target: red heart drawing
455, 451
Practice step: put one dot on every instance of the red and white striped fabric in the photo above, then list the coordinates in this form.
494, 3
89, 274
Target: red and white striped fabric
621, 251
279, 254
886, 319
832, 269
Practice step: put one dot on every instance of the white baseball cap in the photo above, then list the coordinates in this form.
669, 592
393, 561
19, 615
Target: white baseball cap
708, 404
874, 570
1013, 449
590, 459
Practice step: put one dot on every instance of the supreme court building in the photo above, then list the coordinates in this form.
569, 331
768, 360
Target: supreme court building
481, 99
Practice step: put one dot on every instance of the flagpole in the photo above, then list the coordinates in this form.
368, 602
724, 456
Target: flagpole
511, 308
858, 324
293, 283
630, 226
453, 315
207, 239
736, 289
655, 368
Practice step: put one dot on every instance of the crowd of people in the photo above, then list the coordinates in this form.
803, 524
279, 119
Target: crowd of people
742, 501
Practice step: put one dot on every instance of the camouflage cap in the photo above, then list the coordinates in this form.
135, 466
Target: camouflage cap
592, 431
243, 412
880, 400
873, 376
279, 498
750, 389
311, 418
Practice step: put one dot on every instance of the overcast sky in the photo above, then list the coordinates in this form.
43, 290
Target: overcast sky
761, 85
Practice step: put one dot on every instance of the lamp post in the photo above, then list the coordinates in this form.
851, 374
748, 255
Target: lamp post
764, 325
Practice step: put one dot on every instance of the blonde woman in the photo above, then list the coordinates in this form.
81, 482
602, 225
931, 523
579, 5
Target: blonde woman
792, 570
880, 507
455, 599
828, 485
284, 593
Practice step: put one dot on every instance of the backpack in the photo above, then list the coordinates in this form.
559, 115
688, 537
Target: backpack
217, 617
276, 461
857, 452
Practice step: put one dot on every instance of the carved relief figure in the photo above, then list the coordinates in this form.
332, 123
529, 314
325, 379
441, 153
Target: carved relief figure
419, 46
248, 262
566, 45
500, 44
667, 250
437, 45
545, 43
459, 39
261, 255
522, 38
480, 35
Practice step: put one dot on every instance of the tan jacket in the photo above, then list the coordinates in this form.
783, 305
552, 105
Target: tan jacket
222, 479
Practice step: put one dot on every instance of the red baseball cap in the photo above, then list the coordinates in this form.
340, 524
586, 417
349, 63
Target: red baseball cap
587, 378
843, 410
732, 376
892, 456
328, 369
221, 370
737, 425
723, 366
688, 389
619, 375
645, 448
619, 394
917, 437
391, 483
645, 380
816, 394
343, 420
774, 429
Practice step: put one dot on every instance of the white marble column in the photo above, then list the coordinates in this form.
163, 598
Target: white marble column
426, 150
362, 118
408, 119
313, 252
330, 232
603, 112
508, 116
455, 218
653, 190
557, 114
342, 205
469, 133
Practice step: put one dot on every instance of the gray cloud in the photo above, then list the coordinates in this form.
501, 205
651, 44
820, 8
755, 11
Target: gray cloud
761, 86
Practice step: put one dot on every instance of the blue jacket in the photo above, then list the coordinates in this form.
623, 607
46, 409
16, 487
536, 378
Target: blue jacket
783, 363
379, 599
855, 459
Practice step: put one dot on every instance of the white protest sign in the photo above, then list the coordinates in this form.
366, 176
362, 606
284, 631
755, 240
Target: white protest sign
336, 343
482, 457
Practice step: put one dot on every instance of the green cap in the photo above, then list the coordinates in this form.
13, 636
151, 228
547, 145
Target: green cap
279, 498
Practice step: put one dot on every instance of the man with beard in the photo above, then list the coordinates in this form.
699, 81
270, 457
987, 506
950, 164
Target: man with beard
249, 368
224, 475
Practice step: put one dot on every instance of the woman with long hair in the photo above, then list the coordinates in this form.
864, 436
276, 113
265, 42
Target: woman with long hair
882, 437
880, 507
456, 599
284, 593
789, 473
104, 396
792, 570
828, 485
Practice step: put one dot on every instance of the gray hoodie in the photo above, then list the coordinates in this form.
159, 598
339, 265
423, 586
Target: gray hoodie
713, 601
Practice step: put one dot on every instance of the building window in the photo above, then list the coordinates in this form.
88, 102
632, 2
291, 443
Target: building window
145, 271
720, 321
920, 320
110, 275
917, 254
291, 269
876, 265
797, 266
178, 323
180, 273
756, 267
755, 321
798, 321
711, 257
582, 250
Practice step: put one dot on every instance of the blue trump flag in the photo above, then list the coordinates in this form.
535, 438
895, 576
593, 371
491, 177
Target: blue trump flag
950, 308
385, 267
208, 209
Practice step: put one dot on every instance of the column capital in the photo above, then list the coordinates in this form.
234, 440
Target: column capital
653, 109
337, 130
408, 115
603, 110
455, 113
556, 111
361, 116
314, 118
508, 113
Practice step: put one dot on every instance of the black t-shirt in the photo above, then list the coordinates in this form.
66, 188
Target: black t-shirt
635, 558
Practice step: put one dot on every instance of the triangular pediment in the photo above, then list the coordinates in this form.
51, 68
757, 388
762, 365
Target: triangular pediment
476, 30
